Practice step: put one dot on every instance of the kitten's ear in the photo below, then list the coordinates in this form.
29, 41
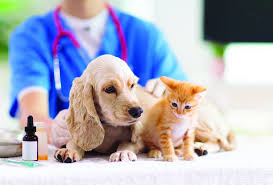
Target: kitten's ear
199, 92
169, 82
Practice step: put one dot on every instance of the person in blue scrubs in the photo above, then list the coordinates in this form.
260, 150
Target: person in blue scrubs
31, 58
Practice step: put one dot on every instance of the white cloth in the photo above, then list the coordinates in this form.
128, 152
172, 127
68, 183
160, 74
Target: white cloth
89, 32
251, 164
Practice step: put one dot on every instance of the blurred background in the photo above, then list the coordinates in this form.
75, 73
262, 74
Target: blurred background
223, 45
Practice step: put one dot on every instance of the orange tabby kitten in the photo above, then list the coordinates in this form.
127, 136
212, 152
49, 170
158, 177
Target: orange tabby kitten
169, 127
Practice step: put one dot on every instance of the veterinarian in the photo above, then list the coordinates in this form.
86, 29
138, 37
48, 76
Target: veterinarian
47, 52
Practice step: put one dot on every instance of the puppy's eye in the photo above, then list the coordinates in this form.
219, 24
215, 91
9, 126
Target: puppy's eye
174, 104
132, 86
187, 107
110, 89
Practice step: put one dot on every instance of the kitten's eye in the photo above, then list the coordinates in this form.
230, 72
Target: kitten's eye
132, 86
187, 107
174, 104
110, 89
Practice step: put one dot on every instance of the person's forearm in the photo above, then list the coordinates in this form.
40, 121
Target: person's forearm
35, 104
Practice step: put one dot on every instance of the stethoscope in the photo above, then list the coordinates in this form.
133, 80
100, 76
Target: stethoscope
61, 33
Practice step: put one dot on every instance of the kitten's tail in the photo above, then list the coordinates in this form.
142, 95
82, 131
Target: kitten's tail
230, 143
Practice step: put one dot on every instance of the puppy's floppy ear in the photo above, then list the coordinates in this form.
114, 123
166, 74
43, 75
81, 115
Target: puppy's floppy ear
83, 121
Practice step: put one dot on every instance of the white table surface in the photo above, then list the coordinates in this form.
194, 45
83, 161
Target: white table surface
250, 164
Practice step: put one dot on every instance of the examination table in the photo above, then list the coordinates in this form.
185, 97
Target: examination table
250, 164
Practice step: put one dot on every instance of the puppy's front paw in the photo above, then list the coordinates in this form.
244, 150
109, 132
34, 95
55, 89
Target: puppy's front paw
67, 156
123, 156
200, 149
170, 158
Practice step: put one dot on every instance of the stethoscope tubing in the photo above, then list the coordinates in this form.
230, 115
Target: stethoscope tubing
61, 33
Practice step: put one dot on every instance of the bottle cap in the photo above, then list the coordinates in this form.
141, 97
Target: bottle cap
30, 129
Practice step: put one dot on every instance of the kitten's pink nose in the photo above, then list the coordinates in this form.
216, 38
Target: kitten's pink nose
180, 112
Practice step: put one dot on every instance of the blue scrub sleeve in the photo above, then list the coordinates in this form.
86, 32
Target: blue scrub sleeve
165, 62
27, 62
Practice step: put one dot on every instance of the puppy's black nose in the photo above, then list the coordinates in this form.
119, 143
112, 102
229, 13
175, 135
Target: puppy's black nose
135, 112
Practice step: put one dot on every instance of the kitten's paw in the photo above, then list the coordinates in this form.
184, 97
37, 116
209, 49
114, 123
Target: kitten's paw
170, 158
155, 153
178, 152
67, 156
123, 156
190, 156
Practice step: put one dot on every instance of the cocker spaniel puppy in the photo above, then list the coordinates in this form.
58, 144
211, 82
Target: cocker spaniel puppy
104, 113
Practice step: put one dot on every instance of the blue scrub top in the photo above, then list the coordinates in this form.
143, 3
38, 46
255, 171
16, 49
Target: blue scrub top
31, 60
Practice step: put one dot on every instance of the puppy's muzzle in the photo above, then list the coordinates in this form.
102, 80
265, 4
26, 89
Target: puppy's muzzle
135, 112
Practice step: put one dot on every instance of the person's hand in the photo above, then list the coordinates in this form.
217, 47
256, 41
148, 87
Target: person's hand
155, 87
35, 103
47, 123
59, 132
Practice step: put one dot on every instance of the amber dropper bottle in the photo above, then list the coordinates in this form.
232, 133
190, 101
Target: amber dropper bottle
30, 142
